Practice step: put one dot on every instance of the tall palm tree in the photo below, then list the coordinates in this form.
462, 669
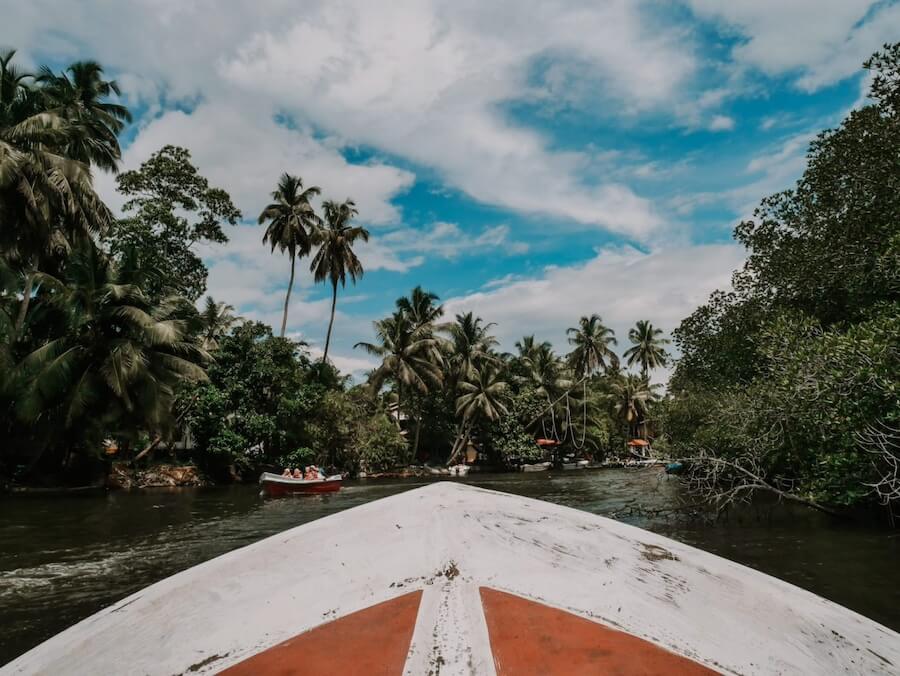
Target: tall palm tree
335, 258
470, 346
47, 198
483, 396
292, 220
631, 397
421, 307
409, 355
646, 347
591, 341
528, 347
80, 95
121, 358
217, 320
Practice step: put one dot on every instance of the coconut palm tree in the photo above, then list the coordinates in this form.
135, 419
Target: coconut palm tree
292, 220
482, 397
47, 198
646, 347
591, 341
529, 348
217, 320
631, 397
470, 346
335, 258
82, 100
421, 307
120, 360
409, 356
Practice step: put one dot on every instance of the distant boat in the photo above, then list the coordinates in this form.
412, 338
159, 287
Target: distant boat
459, 470
455, 579
535, 467
578, 464
275, 485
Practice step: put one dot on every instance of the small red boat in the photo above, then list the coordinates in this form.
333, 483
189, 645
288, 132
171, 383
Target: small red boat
274, 485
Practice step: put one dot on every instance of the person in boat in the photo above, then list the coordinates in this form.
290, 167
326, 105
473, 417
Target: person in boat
287, 473
297, 473
311, 473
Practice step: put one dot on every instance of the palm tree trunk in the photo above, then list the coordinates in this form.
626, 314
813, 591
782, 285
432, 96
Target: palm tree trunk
23, 308
331, 321
287, 297
415, 448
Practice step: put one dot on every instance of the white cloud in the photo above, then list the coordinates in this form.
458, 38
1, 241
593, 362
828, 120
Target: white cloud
622, 285
823, 40
721, 123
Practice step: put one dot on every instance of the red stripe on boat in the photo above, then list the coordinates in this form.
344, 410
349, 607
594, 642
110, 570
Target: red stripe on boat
529, 638
373, 641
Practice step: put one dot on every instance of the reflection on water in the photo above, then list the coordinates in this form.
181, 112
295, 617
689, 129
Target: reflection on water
64, 558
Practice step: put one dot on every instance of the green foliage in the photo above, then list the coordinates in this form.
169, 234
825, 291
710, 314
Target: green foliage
794, 365
508, 438
174, 209
379, 445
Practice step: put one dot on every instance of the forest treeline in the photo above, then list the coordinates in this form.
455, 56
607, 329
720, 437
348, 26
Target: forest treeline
787, 382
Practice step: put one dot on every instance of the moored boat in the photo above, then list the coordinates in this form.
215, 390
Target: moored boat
459, 580
577, 464
275, 485
459, 470
535, 467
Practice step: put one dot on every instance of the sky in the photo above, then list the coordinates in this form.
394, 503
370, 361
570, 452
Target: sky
529, 161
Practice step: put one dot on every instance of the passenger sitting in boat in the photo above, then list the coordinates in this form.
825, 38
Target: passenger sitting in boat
287, 473
311, 473
297, 473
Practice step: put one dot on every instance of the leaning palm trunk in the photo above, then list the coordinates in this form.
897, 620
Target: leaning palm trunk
287, 299
331, 323
26, 301
458, 445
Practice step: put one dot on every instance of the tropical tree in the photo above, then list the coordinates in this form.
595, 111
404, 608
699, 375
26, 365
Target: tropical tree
120, 360
470, 346
80, 95
421, 307
335, 258
217, 320
591, 342
47, 198
483, 397
292, 221
630, 398
409, 356
646, 347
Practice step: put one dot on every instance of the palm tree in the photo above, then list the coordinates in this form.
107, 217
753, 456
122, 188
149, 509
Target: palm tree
646, 347
47, 198
121, 358
81, 99
591, 341
528, 347
409, 355
292, 220
631, 397
483, 396
420, 306
470, 346
217, 320
335, 258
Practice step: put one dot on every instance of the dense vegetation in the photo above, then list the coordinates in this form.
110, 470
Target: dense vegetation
108, 350
790, 380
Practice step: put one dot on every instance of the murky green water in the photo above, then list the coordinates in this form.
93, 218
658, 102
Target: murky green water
63, 558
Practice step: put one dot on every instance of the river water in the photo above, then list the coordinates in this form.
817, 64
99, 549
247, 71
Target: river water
63, 558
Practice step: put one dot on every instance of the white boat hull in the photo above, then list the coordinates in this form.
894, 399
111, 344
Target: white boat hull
452, 546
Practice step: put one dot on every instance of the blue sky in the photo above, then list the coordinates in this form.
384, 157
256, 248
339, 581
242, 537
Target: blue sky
530, 161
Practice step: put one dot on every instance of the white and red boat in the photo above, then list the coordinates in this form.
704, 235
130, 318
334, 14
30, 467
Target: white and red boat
452, 579
275, 485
